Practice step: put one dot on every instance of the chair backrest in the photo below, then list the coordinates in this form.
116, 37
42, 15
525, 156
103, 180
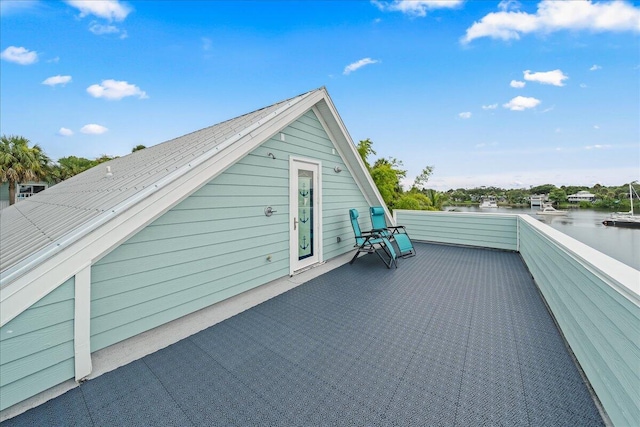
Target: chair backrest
378, 221
353, 215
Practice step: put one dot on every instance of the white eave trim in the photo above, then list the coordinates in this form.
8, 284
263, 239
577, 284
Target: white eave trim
29, 281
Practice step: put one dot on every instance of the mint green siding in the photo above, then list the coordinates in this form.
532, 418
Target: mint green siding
4, 191
601, 325
484, 230
36, 348
218, 242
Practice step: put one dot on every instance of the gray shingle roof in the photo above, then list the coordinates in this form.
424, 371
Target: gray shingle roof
44, 219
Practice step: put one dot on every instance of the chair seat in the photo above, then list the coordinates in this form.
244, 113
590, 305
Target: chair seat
397, 234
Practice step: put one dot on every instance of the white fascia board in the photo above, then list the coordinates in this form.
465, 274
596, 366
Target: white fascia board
349, 152
621, 277
90, 245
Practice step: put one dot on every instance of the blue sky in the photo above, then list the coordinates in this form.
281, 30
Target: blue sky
505, 93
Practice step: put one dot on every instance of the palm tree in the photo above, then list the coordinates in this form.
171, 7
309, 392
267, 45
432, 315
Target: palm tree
20, 163
437, 199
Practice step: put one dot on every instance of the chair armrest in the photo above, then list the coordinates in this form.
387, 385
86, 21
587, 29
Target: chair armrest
370, 234
396, 228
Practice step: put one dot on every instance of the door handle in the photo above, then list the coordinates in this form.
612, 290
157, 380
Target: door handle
295, 223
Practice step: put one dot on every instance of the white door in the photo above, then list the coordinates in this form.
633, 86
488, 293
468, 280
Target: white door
305, 213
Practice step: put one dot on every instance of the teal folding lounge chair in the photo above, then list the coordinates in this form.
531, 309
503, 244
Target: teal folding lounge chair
367, 241
396, 234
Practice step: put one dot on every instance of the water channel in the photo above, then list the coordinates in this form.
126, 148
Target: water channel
585, 225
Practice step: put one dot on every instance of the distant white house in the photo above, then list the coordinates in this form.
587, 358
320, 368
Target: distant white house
23, 191
582, 196
538, 199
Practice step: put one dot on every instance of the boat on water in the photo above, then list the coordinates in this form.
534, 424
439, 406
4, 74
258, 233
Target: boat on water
489, 202
625, 219
547, 209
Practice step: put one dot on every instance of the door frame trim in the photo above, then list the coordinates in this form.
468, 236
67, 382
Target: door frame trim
318, 243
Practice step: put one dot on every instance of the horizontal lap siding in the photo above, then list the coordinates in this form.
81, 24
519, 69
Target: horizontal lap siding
484, 230
36, 348
602, 326
215, 243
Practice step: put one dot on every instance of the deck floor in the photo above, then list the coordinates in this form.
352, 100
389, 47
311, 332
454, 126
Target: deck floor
454, 337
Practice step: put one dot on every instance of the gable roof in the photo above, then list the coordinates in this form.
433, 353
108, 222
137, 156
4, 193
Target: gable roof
49, 237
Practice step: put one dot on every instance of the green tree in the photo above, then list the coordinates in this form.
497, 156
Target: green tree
21, 163
421, 180
516, 196
558, 195
436, 199
365, 150
138, 148
413, 201
386, 174
104, 158
542, 189
71, 166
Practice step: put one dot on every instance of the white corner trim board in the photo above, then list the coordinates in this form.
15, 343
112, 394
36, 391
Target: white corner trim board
82, 323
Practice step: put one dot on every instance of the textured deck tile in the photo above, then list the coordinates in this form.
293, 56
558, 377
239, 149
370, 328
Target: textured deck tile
453, 337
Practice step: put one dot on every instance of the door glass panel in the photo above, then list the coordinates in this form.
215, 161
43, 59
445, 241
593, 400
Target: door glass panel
305, 214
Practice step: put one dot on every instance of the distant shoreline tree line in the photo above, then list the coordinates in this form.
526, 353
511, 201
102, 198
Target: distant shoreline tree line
387, 174
22, 162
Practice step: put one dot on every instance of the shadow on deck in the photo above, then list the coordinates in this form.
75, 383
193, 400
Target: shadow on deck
455, 336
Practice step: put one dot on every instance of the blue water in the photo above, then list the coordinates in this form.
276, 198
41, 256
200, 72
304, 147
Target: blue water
586, 226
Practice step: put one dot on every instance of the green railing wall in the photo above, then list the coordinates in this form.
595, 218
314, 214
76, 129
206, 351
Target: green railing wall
495, 231
594, 298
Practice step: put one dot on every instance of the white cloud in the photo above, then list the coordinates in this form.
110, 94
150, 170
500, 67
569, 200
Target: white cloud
111, 10
509, 5
358, 64
99, 29
113, 90
93, 129
556, 16
521, 103
57, 80
65, 132
555, 77
19, 55
465, 115
490, 107
517, 84
416, 7
595, 67
597, 147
